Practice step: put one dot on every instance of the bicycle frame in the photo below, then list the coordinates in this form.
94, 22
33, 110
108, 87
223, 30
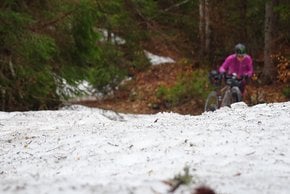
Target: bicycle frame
224, 94
221, 94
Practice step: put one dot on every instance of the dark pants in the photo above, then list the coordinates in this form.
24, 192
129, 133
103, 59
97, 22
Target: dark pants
242, 87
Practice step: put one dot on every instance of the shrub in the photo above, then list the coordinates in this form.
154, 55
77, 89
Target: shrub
192, 85
286, 92
283, 68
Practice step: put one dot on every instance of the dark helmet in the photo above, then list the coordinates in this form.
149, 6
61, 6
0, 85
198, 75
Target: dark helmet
240, 49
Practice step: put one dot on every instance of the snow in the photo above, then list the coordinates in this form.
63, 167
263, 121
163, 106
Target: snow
80, 90
80, 150
113, 37
83, 90
157, 60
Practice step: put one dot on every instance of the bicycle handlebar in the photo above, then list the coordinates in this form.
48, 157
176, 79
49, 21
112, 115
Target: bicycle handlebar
231, 80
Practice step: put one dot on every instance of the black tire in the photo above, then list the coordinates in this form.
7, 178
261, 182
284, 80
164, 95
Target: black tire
211, 103
231, 96
236, 95
227, 99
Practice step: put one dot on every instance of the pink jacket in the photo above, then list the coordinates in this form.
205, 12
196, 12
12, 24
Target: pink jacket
232, 65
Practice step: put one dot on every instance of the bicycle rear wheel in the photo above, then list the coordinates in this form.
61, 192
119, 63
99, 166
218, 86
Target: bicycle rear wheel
211, 103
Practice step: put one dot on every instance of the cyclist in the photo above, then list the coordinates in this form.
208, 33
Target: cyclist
239, 64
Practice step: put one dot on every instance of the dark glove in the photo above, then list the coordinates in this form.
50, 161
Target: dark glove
246, 78
222, 75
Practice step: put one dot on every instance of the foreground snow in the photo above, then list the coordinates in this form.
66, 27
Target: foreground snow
82, 150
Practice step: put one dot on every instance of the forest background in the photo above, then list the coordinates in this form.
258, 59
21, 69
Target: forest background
46, 44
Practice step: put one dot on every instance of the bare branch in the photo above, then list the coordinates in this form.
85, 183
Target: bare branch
40, 25
175, 5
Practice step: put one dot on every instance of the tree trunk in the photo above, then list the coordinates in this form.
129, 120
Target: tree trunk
204, 28
201, 28
268, 70
207, 27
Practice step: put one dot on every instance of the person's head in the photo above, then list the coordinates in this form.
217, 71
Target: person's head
240, 51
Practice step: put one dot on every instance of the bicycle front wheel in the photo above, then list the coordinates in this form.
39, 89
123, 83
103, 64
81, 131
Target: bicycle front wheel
227, 99
211, 103
236, 95
232, 95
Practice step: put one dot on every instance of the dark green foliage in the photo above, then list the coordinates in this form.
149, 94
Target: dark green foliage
37, 89
188, 86
98, 56
26, 77
108, 73
148, 8
286, 92
37, 49
84, 36
42, 40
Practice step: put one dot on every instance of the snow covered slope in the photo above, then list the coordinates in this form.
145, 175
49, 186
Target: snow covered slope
83, 150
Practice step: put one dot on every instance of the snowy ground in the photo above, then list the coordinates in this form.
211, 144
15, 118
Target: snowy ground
83, 150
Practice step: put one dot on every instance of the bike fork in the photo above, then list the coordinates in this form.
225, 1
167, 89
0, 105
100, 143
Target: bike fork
219, 99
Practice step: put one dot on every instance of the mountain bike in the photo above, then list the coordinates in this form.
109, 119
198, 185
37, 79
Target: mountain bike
226, 91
